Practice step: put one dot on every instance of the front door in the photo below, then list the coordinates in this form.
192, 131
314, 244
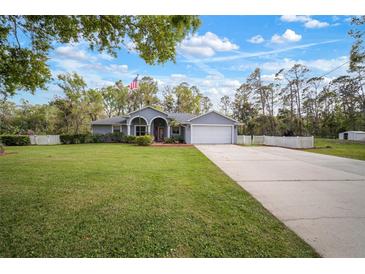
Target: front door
160, 134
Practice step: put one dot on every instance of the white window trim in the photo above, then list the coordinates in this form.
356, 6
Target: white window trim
135, 129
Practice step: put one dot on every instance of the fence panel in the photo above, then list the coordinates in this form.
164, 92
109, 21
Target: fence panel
244, 139
280, 141
258, 140
291, 142
45, 139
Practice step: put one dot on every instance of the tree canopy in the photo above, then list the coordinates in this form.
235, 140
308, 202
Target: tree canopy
25, 42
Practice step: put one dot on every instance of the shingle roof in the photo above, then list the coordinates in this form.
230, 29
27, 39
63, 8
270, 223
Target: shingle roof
110, 121
181, 117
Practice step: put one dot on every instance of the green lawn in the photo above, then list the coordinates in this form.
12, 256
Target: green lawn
340, 148
113, 200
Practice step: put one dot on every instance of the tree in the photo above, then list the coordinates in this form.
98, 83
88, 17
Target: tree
25, 42
188, 98
115, 99
311, 103
168, 102
225, 104
296, 78
7, 113
80, 105
242, 108
259, 91
205, 104
145, 95
93, 103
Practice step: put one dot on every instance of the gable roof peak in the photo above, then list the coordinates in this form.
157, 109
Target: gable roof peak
214, 111
150, 107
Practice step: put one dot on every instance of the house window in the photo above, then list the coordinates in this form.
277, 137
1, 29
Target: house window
176, 130
116, 129
141, 130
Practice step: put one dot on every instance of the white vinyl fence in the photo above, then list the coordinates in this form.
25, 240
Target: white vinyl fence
45, 139
279, 141
291, 142
258, 140
244, 139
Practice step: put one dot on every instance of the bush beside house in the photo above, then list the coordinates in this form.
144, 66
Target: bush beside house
174, 140
145, 140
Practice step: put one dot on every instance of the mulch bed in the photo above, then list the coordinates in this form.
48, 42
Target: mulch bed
170, 145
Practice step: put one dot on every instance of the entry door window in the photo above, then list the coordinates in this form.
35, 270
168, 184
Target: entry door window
141, 130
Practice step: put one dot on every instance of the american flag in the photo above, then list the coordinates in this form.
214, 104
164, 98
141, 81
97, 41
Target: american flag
134, 83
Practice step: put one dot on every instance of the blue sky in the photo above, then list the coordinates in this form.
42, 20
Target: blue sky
218, 57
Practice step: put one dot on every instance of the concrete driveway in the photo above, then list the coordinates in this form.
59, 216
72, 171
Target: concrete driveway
320, 197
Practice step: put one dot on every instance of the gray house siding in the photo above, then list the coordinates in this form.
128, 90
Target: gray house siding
187, 134
148, 113
101, 129
212, 118
124, 129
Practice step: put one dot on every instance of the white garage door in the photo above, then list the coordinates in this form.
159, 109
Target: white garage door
211, 134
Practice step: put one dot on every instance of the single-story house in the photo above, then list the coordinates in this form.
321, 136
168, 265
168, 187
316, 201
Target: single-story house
209, 128
352, 135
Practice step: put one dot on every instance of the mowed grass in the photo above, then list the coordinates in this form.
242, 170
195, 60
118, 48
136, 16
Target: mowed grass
113, 200
341, 148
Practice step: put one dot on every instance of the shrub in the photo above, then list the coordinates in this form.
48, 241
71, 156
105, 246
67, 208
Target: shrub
130, 139
170, 140
145, 140
117, 137
179, 139
74, 138
15, 140
174, 140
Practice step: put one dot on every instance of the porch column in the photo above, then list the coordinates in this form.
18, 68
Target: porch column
168, 131
128, 130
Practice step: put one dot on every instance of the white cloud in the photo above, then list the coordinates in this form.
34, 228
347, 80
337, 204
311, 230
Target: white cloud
291, 36
257, 39
243, 55
106, 56
178, 77
321, 65
197, 51
206, 45
315, 24
72, 53
307, 20
288, 36
277, 39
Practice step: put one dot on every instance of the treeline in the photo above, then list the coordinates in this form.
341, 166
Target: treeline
73, 112
294, 103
